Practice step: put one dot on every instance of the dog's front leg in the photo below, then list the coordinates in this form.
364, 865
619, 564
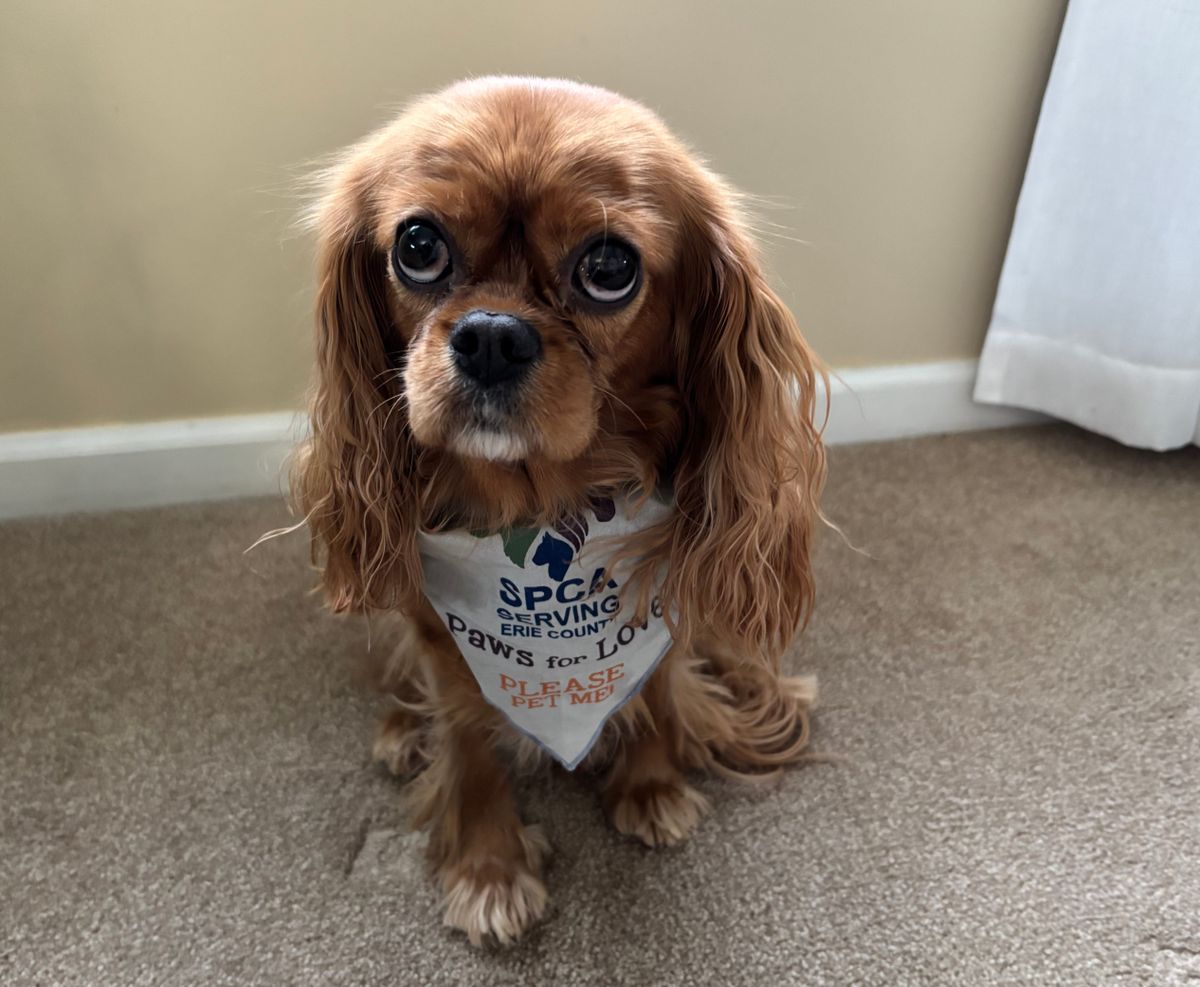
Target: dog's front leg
646, 793
486, 859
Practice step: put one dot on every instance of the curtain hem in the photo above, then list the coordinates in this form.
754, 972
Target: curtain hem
1148, 407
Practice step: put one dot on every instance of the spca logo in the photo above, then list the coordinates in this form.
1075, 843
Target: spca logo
557, 547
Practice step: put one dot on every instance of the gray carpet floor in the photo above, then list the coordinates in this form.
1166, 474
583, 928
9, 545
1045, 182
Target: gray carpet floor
1010, 679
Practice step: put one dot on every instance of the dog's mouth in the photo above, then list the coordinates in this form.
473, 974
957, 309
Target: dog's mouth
494, 354
496, 392
494, 445
491, 428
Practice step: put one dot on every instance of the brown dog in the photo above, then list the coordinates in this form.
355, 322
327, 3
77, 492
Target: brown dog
532, 294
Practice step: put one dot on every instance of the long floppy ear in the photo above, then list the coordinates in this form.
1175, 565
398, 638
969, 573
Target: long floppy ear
750, 472
352, 478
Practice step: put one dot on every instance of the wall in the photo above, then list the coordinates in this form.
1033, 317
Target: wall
146, 267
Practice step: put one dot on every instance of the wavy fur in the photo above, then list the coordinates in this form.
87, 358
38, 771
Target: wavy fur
702, 385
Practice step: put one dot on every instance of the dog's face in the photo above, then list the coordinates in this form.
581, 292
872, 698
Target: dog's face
530, 235
531, 291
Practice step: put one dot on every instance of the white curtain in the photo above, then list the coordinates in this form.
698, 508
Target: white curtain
1097, 316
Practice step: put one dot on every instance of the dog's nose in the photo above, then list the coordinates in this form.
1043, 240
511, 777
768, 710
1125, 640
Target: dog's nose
492, 347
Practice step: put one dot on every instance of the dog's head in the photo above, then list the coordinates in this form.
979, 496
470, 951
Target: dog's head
530, 290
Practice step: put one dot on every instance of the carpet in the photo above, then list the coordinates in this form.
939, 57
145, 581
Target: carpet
1010, 676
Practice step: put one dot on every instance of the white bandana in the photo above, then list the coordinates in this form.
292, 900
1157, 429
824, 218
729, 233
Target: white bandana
533, 615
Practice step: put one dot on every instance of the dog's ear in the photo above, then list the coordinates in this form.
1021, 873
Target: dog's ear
752, 464
353, 477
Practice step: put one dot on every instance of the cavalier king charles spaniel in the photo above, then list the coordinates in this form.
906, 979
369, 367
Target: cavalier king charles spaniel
535, 306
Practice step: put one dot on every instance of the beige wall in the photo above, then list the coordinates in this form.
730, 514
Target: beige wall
146, 149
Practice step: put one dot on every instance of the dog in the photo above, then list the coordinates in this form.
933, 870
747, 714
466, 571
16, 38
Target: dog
539, 315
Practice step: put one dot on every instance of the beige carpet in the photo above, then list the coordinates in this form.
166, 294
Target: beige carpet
1012, 679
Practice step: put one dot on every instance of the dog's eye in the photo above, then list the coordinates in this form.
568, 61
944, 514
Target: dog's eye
420, 254
608, 271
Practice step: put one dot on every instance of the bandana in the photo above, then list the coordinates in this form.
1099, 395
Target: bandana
535, 615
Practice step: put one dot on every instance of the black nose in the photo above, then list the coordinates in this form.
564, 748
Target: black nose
491, 347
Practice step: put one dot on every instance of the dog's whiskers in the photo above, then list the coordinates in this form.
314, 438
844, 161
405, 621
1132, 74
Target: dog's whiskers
399, 400
392, 400
395, 371
609, 394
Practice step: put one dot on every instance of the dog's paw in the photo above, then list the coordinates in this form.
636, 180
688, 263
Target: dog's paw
659, 812
399, 744
497, 898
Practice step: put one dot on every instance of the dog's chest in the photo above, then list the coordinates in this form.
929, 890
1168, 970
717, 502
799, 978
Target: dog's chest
535, 613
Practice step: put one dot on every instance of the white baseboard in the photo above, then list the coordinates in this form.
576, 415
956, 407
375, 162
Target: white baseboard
122, 466
875, 404
125, 466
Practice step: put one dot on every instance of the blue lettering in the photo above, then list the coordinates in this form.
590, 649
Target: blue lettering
509, 593
562, 594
